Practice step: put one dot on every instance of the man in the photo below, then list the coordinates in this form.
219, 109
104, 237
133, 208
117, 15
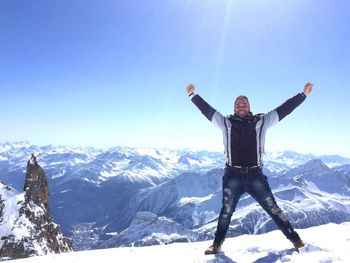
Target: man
244, 139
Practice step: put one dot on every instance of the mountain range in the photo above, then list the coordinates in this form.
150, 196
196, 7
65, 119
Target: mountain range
125, 196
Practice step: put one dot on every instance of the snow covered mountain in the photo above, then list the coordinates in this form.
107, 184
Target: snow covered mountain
142, 165
102, 197
282, 161
311, 194
146, 165
326, 243
26, 229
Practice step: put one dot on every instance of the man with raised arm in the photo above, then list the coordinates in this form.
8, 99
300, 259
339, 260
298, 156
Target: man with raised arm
244, 144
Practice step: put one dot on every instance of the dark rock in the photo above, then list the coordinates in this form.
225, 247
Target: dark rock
36, 184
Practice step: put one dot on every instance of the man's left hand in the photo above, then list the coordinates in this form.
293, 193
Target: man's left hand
308, 88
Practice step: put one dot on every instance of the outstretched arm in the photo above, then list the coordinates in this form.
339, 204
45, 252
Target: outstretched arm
287, 107
208, 111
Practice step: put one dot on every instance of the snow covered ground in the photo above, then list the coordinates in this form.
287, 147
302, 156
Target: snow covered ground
326, 243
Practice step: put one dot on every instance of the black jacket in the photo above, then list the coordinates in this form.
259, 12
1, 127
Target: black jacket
244, 138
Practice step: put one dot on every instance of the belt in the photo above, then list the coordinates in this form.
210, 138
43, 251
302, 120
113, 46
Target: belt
243, 169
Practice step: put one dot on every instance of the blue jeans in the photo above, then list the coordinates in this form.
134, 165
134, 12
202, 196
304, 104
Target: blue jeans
254, 182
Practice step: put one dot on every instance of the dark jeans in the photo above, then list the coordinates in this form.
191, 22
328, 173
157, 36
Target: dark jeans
254, 182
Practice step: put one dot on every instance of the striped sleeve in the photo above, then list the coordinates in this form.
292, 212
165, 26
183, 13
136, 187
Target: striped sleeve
209, 112
270, 119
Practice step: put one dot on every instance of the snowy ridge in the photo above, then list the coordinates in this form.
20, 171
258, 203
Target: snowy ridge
281, 161
25, 228
147, 165
326, 243
14, 223
10, 199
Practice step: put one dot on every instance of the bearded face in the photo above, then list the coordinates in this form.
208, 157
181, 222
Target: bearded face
241, 107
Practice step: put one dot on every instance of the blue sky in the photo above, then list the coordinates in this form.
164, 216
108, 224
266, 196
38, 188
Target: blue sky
107, 73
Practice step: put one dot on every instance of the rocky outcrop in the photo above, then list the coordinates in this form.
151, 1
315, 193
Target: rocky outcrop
26, 226
36, 185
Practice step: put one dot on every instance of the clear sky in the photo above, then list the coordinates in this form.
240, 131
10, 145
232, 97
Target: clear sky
107, 73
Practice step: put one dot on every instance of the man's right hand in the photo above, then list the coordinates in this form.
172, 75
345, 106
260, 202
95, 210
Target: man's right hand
190, 89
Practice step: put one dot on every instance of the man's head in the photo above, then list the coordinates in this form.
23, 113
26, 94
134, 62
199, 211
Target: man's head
241, 106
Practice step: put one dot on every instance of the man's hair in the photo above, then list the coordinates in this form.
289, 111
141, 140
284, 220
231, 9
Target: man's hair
242, 97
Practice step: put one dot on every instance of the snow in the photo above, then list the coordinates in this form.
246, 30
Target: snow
105, 174
3, 158
11, 200
17, 225
112, 234
120, 165
326, 243
60, 174
185, 200
332, 165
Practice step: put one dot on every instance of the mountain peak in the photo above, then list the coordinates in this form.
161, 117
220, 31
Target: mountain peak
36, 184
315, 165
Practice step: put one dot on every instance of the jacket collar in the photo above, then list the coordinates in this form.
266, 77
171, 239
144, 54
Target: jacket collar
249, 117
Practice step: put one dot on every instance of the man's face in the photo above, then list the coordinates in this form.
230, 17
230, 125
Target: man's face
242, 107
